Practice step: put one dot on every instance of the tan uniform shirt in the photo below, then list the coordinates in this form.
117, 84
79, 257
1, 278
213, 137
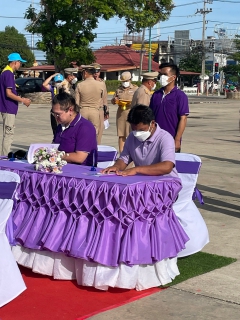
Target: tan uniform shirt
141, 96
105, 94
125, 93
89, 93
123, 127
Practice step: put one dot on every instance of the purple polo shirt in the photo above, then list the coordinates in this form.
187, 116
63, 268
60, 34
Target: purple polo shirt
169, 108
80, 135
7, 105
160, 147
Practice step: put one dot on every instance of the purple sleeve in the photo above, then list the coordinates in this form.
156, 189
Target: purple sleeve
167, 148
125, 154
9, 81
57, 135
183, 106
86, 139
151, 102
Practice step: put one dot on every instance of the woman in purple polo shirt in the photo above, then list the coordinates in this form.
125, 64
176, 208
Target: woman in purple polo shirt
75, 134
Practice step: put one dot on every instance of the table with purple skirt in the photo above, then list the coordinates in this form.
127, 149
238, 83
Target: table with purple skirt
102, 230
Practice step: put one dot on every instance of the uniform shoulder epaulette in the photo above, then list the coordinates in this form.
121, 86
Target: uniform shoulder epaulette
147, 91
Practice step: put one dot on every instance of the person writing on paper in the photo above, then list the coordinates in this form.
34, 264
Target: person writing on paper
75, 134
151, 148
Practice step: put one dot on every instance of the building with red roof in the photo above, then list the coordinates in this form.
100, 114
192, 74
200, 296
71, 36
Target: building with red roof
116, 59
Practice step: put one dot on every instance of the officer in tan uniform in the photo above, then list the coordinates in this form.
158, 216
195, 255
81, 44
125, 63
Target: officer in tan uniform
104, 115
68, 84
143, 93
123, 97
89, 96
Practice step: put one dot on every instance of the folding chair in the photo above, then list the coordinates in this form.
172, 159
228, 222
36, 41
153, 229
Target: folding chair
188, 167
33, 147
11, 282
106, 156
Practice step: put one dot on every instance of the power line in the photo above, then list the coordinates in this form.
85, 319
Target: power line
12, 17
38, 3
224, 22
187, 4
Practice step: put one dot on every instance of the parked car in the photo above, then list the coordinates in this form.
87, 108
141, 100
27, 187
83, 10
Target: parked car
28, 85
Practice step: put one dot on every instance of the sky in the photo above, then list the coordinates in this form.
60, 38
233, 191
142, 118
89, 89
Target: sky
225, 15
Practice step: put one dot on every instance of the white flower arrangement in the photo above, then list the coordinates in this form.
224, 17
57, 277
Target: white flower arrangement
48, 160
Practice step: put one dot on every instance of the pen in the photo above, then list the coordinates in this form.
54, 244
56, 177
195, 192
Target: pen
93, 164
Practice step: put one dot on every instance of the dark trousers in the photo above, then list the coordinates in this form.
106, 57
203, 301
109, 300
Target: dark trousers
53, 123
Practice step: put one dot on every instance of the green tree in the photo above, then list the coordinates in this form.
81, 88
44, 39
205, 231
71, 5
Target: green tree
13, 41
66, 26
236, 56
232, 72
192, 61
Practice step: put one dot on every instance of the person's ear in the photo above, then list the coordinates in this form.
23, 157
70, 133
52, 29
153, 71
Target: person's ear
153, 123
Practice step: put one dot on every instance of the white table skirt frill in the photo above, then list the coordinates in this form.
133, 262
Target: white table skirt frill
92, 274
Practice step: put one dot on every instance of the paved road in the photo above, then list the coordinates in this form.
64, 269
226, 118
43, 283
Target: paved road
213, 134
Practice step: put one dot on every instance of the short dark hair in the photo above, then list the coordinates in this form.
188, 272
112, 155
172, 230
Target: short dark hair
145, 80
140, 114
174, 68
65, 100
90, 71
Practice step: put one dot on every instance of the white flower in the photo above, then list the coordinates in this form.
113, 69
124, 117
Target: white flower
49, 160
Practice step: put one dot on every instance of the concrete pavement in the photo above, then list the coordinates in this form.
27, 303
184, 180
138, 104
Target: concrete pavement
213, 134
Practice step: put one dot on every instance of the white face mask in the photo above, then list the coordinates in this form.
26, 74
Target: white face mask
154, 87
142, 135
164, 80
126, 84
74, 81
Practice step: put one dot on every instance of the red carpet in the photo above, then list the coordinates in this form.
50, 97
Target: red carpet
50, 299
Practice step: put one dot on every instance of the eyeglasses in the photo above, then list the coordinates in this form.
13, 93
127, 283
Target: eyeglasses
59, 114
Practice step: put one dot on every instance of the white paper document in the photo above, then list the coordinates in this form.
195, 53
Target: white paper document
106, 124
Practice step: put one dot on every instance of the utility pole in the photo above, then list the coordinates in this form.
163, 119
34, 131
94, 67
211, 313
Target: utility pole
168, 49
150, 52
203, 11
141, 54
32, 37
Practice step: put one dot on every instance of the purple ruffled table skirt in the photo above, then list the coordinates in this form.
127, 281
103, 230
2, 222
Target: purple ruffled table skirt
104, 219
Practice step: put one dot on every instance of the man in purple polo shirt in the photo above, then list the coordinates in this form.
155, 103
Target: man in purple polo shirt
9, 100
75, 134
170, 104
150, 148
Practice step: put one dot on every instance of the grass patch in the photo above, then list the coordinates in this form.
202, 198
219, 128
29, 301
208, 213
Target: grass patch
197, 264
